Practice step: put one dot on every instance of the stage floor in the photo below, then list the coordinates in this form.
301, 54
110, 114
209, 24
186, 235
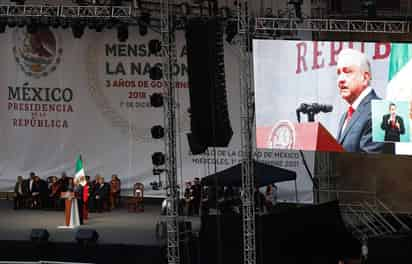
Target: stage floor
115, 227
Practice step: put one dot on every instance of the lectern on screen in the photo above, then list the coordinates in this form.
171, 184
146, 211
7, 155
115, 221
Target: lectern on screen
333, 95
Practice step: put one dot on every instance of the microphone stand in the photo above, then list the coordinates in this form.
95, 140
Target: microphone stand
311, 118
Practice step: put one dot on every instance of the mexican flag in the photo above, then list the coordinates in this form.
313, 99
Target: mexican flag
79, 168
399, 86
400, 73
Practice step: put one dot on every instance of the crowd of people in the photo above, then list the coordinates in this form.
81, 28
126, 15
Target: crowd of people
226, 199
37, 193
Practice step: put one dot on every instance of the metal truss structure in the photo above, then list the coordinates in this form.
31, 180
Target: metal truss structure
247, 115
263, 25
170, 59
169, 13
366, 220
66, 11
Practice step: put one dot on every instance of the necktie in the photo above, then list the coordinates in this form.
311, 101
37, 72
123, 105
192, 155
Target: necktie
350, 113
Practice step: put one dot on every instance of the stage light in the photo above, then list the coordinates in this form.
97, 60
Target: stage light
155, 73
39, 235
99, 27
55, 23
11, 22
21, 23
158, 159
144, 23
78, 30
32, 28
122, 33
87, 236
64, 24
157, 132
156, 100
154, 46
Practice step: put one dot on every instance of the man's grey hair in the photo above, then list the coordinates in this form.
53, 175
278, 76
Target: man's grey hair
357, 57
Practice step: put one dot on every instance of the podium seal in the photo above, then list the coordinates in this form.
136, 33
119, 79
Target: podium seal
282, 136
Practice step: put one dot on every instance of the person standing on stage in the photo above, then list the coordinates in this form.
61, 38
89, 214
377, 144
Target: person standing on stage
78, 193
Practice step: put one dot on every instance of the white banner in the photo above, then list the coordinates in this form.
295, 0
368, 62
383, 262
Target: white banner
62, 97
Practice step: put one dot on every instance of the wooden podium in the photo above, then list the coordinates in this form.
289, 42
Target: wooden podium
67, 196
312, 136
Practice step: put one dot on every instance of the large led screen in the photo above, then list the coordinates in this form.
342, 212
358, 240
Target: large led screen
333, 96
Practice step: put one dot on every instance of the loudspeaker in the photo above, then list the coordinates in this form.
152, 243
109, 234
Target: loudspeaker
210, 123
195, 146
39, 235
87, 236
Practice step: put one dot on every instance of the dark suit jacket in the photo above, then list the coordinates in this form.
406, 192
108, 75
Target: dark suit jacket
357, 135
102, 191
392, 133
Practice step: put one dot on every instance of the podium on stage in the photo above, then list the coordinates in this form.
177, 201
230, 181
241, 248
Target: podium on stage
71, 210
312, 136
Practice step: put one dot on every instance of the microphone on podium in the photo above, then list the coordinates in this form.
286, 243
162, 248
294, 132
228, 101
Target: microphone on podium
312, 109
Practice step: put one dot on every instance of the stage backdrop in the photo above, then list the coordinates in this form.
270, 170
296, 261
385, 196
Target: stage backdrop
290, 73
62, 97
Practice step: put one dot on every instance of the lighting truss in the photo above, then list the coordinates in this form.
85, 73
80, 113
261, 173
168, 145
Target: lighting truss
67, 11
264, 25
246, 109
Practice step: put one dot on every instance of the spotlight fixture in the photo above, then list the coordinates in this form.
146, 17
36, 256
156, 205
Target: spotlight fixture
78, 30
144, 22
32, 28
157, 132
156, 100
155, 73
154, 46
122, 33
158, 159
99, 27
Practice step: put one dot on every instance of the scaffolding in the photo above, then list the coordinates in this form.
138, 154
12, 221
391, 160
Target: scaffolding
246, 112
170, 59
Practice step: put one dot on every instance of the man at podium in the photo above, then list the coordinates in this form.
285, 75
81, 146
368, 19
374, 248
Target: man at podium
355, 126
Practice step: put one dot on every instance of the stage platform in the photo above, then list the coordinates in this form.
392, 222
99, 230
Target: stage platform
115, 227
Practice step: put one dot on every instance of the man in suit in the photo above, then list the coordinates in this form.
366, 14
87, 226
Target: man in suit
355, 126
393, 125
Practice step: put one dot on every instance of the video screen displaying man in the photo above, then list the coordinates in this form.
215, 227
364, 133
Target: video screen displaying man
292, 77
355, 126
393, 125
